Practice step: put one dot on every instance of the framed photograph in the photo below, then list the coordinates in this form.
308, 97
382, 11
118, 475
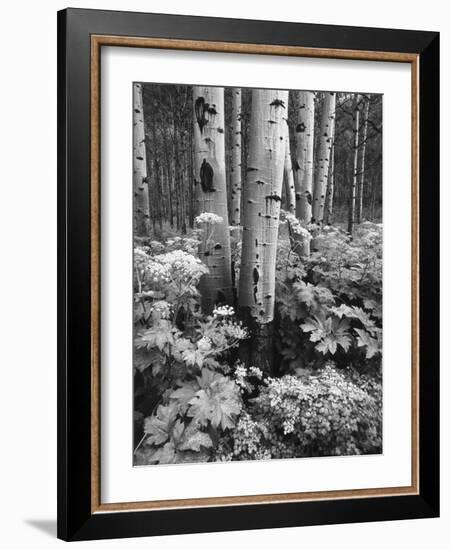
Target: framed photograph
248, 274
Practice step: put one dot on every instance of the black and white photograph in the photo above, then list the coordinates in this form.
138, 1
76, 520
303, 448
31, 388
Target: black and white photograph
257, 273
228, 270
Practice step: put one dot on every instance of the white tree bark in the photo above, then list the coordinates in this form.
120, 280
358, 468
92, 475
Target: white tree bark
359, 213
330, 190
323, 157
140, 182
261, 205
288, 175
304, 155
261, 208
330, 181
235, 167
356, 117
211, 194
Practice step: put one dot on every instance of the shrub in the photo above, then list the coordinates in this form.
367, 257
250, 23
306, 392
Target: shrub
328, 412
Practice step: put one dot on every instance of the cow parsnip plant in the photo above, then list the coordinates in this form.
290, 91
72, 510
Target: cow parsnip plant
329, 304
181, 352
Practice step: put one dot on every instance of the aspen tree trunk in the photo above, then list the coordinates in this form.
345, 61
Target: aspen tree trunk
330, 189
288, 175
158, 198
235, 165
261, 209
330, 181
303, 164
140, 182
159, 193
211, 194
362, 164
164, 206
178, 190
323, 157
183, 189
151, 190
191, 179
173, 102
355, 118
168, 176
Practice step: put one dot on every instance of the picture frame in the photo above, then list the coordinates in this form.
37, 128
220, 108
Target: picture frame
81, 36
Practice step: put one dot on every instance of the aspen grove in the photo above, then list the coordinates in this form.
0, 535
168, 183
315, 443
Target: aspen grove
257, 273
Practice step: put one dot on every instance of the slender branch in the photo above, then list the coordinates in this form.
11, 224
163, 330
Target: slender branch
140, 443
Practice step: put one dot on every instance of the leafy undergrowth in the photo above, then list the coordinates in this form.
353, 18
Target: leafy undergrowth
329, 305
195, 401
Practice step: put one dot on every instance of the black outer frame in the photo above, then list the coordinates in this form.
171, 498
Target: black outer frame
75, 520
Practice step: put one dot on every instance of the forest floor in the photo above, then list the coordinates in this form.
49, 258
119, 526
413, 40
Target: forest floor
195, 400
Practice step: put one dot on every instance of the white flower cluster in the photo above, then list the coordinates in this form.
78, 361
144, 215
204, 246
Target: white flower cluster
176, 265
140, 254
240, 377
140, 258
156, 272
255, 371
297, 227
223, 311
208, 217
313, 227
235, 330
286, 396
204, 344
190, 245
161, 309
